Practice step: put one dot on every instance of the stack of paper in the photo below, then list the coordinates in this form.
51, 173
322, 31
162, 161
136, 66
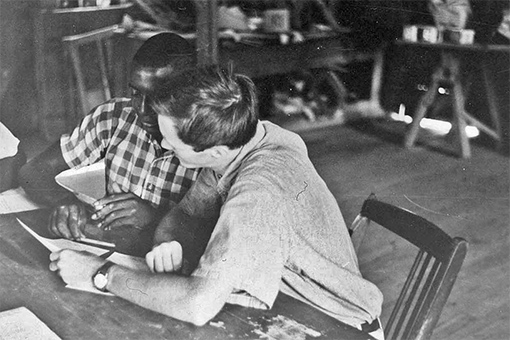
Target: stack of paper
21, 324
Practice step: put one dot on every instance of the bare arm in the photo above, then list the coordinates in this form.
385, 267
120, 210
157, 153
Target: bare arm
191, 299
37, 177
188, 298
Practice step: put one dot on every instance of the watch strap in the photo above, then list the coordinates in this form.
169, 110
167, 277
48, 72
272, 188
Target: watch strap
103, 270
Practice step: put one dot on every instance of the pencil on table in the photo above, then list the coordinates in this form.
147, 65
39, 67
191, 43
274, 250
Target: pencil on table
97, 242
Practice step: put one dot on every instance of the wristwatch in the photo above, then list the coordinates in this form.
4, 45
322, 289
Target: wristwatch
100, 278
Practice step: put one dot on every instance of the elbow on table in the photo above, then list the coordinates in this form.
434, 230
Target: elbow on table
199, 306
26, 181
203, 310
194, 313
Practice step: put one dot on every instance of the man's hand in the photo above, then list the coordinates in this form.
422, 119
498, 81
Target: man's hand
164, 258
123, 209
68, 221
75, 267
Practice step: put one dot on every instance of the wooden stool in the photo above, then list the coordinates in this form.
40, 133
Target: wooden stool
448, 75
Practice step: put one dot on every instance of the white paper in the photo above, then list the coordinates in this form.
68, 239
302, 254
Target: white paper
132, 262
16, 200
8, 143
21, 324
87, 183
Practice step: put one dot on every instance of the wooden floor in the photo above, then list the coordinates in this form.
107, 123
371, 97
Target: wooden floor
467, 198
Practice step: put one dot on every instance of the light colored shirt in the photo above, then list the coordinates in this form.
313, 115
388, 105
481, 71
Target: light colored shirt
133, 159
280, 228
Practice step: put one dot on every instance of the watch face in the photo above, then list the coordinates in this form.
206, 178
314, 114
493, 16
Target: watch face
100, 281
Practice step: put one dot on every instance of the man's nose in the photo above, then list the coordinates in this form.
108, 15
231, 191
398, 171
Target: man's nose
142, 105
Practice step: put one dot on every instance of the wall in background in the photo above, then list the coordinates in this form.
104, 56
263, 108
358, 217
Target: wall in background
18, 94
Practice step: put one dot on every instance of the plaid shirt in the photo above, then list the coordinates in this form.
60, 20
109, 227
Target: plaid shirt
135, 161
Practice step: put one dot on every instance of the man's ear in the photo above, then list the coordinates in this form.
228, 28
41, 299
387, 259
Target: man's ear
218, 151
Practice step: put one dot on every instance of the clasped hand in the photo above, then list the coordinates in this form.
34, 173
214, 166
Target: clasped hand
165, 257
116, 210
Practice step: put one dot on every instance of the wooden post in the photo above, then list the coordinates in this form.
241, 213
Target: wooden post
207, 32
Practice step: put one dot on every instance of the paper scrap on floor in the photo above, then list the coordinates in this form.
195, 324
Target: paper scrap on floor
133, 262
16, 200
21, 324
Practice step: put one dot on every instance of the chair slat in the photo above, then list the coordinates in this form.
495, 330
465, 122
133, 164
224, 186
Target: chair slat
426, 290
431, 276
410, 296
397, 308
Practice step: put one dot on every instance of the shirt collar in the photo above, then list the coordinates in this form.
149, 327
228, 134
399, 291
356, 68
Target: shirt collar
233, 167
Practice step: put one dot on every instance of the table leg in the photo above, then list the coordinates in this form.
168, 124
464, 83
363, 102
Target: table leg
426, 102
493, 105
459, 119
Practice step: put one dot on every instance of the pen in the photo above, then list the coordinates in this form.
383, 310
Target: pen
106, 255
97, 242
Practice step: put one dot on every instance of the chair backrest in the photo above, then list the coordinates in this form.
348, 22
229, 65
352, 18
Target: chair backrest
432, 274
100, 41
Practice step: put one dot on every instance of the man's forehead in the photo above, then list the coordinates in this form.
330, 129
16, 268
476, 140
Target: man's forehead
149, 78
155, 73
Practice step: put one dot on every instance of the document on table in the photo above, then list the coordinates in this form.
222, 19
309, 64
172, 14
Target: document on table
87, 183
21, 324
133, 262
16, 200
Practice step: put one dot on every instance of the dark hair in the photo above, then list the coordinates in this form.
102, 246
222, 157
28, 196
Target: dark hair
210, 106
165, 49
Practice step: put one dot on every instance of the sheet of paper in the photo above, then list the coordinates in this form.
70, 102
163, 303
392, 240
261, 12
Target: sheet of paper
133, 262
21, 324
87, 183
16, 200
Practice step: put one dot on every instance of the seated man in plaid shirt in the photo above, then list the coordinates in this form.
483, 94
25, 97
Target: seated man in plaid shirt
143, 180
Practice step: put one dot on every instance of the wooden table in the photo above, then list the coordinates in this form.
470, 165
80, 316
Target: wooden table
448, 73
25, 280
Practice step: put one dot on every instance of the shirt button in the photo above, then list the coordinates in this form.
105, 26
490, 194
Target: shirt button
150, 187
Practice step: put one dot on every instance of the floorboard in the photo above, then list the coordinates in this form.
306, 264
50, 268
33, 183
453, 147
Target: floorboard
467, 198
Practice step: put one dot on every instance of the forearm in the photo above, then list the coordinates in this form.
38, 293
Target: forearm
41, 186
171, 224
190, 299
191, 232
37, 177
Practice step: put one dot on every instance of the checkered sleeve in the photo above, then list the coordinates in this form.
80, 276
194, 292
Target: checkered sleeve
88, 141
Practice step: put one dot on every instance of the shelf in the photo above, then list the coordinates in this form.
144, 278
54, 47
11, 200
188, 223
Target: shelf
91, 9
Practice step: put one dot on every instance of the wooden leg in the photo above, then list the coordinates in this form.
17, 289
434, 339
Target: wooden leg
80, 81
460, 121
377, 75
493, 106
424, 105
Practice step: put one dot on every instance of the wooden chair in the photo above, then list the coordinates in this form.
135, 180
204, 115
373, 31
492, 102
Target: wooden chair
75, 45
432, 274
